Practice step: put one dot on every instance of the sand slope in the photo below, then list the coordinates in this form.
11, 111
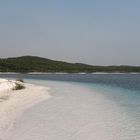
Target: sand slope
76, 112
12, 103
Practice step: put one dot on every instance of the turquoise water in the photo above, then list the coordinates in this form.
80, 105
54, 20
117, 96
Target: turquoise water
127, 99
110, 100
124, 89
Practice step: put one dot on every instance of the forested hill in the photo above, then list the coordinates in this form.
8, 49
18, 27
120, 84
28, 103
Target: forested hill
37, 64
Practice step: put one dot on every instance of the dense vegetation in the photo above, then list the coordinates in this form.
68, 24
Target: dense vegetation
27, 64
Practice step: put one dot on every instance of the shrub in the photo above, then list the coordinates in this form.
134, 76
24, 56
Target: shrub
20, 80
18, 86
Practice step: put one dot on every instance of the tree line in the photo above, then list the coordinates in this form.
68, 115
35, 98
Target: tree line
25, 64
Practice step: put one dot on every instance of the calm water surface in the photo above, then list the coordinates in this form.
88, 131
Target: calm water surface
123, 90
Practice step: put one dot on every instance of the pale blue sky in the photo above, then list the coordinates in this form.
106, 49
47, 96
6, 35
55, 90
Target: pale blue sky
98, 32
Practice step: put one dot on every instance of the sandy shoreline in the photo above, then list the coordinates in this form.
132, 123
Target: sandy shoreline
13, 103
76, 112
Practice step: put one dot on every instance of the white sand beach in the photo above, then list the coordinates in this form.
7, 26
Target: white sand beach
14, 102
74, 112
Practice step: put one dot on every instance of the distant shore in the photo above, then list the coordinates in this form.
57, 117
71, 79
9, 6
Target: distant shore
27, 64
70, 73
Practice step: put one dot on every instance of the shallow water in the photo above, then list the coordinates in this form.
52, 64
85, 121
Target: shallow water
99, 109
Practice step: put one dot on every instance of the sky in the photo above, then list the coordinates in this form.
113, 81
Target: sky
97, 32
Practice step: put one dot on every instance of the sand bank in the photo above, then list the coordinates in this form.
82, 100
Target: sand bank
13, 102
76, 112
